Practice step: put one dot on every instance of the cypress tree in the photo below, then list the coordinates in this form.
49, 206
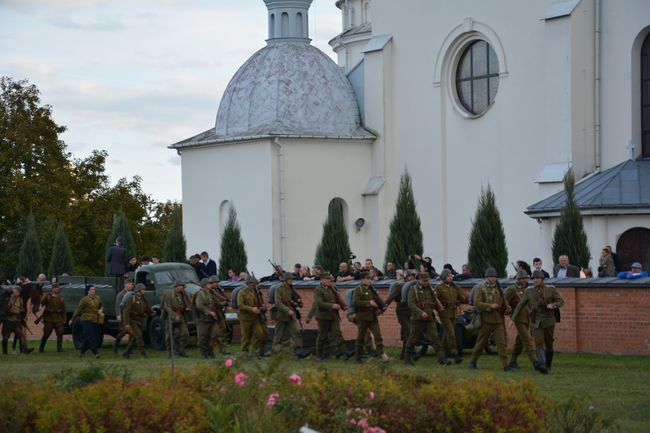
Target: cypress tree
569, 237
175, 245
29, 258
334, 247
61, 258
487, 241
405, 234
120, 229
233, 252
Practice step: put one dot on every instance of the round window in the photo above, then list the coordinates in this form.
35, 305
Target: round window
477, 77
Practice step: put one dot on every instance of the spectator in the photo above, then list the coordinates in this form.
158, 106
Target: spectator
344, 273
617, 261
606, 264
399, 275
564, 269
537, 264
232, 275
145, 260
207, 267
155, 260
194, 262
370, 268
465, 274
428, 266
318, 271
296, 271
305, 273
243, 276
451, 269
586, 273
635, 272
356, 270
391, 271
132, 265
117, 259
523, 266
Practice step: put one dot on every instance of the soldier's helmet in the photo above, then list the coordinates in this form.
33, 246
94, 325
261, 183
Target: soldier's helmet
288, 276
214, 279
425, 277
139, 287
538, 274
364, 275
205, 282
251, 280
522, 274
444, 274
325, 276
179, 283
490, 272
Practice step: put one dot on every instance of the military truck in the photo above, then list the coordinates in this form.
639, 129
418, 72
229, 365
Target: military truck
156, 278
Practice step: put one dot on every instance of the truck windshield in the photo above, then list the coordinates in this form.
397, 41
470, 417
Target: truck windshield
171, 275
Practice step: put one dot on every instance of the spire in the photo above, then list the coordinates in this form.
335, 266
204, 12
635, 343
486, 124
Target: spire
288, 20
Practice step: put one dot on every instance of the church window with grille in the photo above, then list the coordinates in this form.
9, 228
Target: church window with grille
477, 77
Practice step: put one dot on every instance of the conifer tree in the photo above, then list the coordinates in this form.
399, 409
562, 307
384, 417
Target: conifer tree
569, 237
175, 245
120, 229
405, 234
334, 247
29, 257
487, 241
61, 257
233, 252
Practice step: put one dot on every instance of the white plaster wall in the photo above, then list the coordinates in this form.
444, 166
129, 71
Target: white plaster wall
242, 174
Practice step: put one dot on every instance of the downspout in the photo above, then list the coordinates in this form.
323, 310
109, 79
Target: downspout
597, 36
283, 225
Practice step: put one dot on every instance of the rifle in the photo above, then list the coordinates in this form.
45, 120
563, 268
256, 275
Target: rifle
339, 298
39, 318
380, 303
277, 268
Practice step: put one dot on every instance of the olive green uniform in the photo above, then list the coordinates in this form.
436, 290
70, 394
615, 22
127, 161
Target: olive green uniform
134, 313
54, 318
491, 320
329, 321
421, 299
286, 324
450, 296
13, 323
92, 318
402, 311
209, 327
118, 313
521, 321
367, 320
253, 326
175, 305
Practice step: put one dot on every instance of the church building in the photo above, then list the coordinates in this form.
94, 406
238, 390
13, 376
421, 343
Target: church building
462, 94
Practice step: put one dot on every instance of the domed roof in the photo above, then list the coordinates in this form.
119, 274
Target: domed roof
289, 88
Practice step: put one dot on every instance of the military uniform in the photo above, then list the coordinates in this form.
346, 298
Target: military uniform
283, 312
542, 319
521, 321
253, 326
209, 310
367, 320
54, 318
450, 296
13, 324
402, 311
134, 313
329, 321
118, 313
92, 318
174, 306
421, 299
491, 321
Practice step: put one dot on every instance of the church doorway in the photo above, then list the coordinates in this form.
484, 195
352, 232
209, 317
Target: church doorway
633, 246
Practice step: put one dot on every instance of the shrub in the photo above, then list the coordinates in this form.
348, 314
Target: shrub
576, 415
73, 378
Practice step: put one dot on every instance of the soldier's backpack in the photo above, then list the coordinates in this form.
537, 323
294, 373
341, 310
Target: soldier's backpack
397, 285
272, 290
233, 296
405, 291
349, 295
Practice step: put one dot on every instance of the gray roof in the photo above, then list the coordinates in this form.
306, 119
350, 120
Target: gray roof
621, 190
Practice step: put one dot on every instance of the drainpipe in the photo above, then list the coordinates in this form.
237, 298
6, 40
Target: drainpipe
283, 225
597, 36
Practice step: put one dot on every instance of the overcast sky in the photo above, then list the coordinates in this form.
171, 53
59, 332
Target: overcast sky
132, 77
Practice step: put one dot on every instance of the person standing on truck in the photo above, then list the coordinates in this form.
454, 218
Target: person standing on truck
175, 304
134, 313
120, 301
90, 309
117, 259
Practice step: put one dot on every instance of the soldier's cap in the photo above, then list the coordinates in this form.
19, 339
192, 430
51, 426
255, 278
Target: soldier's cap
538, 274
128, 281
287, 276
214, 279
325, 276
139, 287
636, 265
444, 274
424, 276
204, 282
251, 279
490, 272
364, 275
178, 283
409, 273
521, 274
55, 285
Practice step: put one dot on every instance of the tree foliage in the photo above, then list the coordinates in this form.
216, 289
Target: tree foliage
569, 237
405, 233
233, 252
175, 245
30, 261
61, 257
334, 247
487, 240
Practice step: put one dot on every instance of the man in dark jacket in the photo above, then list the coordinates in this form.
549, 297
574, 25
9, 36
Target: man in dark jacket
117, 259
207, 267
565, 270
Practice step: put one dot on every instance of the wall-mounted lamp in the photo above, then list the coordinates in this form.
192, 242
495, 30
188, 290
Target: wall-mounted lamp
360, 222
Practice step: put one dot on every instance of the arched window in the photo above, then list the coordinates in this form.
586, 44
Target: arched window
339, 203
299, 25
365, 11
272, 26
477, 77
632, 246
645, 97
284, 25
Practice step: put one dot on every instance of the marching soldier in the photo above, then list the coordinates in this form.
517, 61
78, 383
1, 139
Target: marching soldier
514, 294
90, 309
328, 304
284, 312
422, 303
251, 317
13, 322
491, 302
367, 303
120, 301
223, 301
544, 303
450, 296
208, 308
53, 317
175, 304
402, 311
133, 315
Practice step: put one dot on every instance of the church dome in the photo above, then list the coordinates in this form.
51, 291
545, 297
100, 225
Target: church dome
289, 88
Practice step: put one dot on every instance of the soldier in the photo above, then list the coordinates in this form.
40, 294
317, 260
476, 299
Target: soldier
327, 306
133, 315
491, 302
120, 301
544, 303
284, 312
521, 321
13, 322
175, 304
367, 303
450, 296
208, 307
223, 302
90, 309
54, 317
422, 302
402, 311
251, 317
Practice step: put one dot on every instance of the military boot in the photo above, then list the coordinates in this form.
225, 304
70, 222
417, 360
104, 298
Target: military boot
59, 343
41, 347
549, 360
5, 345
541, 364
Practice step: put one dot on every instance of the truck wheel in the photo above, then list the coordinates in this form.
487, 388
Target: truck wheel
156, 333
77, 334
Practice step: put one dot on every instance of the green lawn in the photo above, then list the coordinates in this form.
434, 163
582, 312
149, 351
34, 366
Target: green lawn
618, 385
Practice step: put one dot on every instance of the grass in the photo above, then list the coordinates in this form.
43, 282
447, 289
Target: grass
617, 385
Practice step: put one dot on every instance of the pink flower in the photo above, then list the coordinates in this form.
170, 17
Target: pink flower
273, 398
240, 379
363, 423
371, 395
296, 379
353, 421
228, 362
